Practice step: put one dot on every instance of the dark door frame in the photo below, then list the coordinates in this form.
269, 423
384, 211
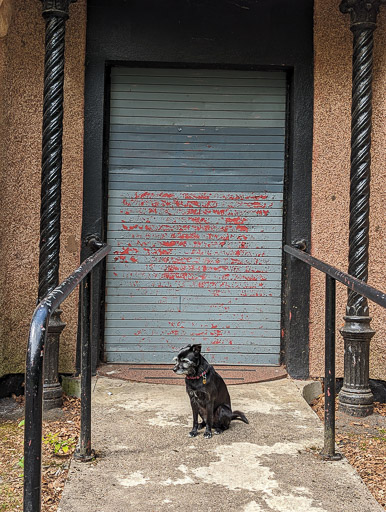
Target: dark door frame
268, 35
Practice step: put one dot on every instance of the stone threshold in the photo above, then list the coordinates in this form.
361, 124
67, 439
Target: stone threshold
163, 374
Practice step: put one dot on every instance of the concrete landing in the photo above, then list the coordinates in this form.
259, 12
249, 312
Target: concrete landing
148, 463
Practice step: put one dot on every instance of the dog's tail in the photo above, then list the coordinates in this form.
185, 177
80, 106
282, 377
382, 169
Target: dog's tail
238, 415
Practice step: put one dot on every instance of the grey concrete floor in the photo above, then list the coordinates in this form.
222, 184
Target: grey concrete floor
147, 462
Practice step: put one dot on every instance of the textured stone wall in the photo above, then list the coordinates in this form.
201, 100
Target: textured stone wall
331, 175
21, 92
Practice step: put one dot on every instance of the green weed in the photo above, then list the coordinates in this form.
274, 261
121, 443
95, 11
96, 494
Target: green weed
59, 446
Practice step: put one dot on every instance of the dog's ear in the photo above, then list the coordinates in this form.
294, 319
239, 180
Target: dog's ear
187, 347
197, 348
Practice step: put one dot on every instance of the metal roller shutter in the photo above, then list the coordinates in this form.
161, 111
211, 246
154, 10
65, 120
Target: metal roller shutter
196, 166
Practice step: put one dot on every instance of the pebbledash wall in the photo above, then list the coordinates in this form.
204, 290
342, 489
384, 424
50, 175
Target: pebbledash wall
21, 89
331, 171
21, 92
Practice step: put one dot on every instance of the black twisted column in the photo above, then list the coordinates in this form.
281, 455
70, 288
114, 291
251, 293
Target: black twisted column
55, 13
356, 398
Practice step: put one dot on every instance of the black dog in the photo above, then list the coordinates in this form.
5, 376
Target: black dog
208, 393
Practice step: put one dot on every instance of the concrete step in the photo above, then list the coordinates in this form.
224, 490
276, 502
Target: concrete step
147, 462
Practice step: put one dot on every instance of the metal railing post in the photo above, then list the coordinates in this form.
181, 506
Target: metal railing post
34, 375
359, 287
328, 451
83, 452
33, 411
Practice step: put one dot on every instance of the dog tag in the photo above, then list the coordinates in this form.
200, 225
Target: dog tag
204, 379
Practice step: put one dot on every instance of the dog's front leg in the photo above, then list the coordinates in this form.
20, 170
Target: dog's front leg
209, 420
193, 432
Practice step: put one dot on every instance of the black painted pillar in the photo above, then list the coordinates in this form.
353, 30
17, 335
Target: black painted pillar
55, 13
355, 397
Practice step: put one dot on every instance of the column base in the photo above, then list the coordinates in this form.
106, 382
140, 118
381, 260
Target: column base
52, 390
356, 403
355, 397
52, 396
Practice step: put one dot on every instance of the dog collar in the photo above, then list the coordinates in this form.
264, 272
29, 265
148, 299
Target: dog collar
203, 374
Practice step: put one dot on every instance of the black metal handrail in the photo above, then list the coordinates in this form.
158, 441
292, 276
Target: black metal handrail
351, 282
333, 275
34, 375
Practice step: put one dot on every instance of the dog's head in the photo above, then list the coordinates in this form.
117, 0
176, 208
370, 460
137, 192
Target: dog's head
187, 360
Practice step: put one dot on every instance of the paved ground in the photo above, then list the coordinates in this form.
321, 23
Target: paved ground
148, 463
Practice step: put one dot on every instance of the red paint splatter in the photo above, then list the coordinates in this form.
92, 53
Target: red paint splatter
143, 194
199, 220
197, 196
235, 220
189, 236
